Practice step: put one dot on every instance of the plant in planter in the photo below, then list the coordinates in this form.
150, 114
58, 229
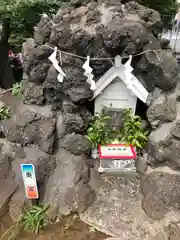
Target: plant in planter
132, 131
98, 132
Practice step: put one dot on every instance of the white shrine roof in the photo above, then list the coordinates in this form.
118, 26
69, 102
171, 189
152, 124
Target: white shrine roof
123, 72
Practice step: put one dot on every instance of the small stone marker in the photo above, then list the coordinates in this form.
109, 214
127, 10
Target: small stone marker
117, 158
30, 183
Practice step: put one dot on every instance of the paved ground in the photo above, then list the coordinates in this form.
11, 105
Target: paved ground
117, 210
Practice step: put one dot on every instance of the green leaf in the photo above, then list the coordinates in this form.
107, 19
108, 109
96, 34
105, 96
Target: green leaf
130, 137
147, 132
107, 118
137, 124
88, 138
142, 136
90, 130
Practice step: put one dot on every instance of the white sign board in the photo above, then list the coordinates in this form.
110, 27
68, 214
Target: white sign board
117, 151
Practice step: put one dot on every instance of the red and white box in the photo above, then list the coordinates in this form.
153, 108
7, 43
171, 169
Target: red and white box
116, 151
117, 158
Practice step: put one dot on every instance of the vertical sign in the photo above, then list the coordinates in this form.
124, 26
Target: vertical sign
29, 178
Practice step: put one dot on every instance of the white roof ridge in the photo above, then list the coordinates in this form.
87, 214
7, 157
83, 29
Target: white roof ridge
134, 84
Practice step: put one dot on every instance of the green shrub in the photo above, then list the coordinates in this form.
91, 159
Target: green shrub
98, 131
23, 15
5, 112
33, 220
17, 90
166, 8
163, 7
132, 131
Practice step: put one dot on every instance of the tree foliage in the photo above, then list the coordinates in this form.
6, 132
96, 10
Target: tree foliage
163, 7
167, 8
24, 15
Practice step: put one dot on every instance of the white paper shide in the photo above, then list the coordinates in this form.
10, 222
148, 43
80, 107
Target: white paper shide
55, 63
88, 74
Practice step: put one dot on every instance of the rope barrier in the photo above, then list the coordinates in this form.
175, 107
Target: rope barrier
107, 58
5, 91
95, 59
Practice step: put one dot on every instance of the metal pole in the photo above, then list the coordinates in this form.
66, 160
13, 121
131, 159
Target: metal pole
172, 30
177, 33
